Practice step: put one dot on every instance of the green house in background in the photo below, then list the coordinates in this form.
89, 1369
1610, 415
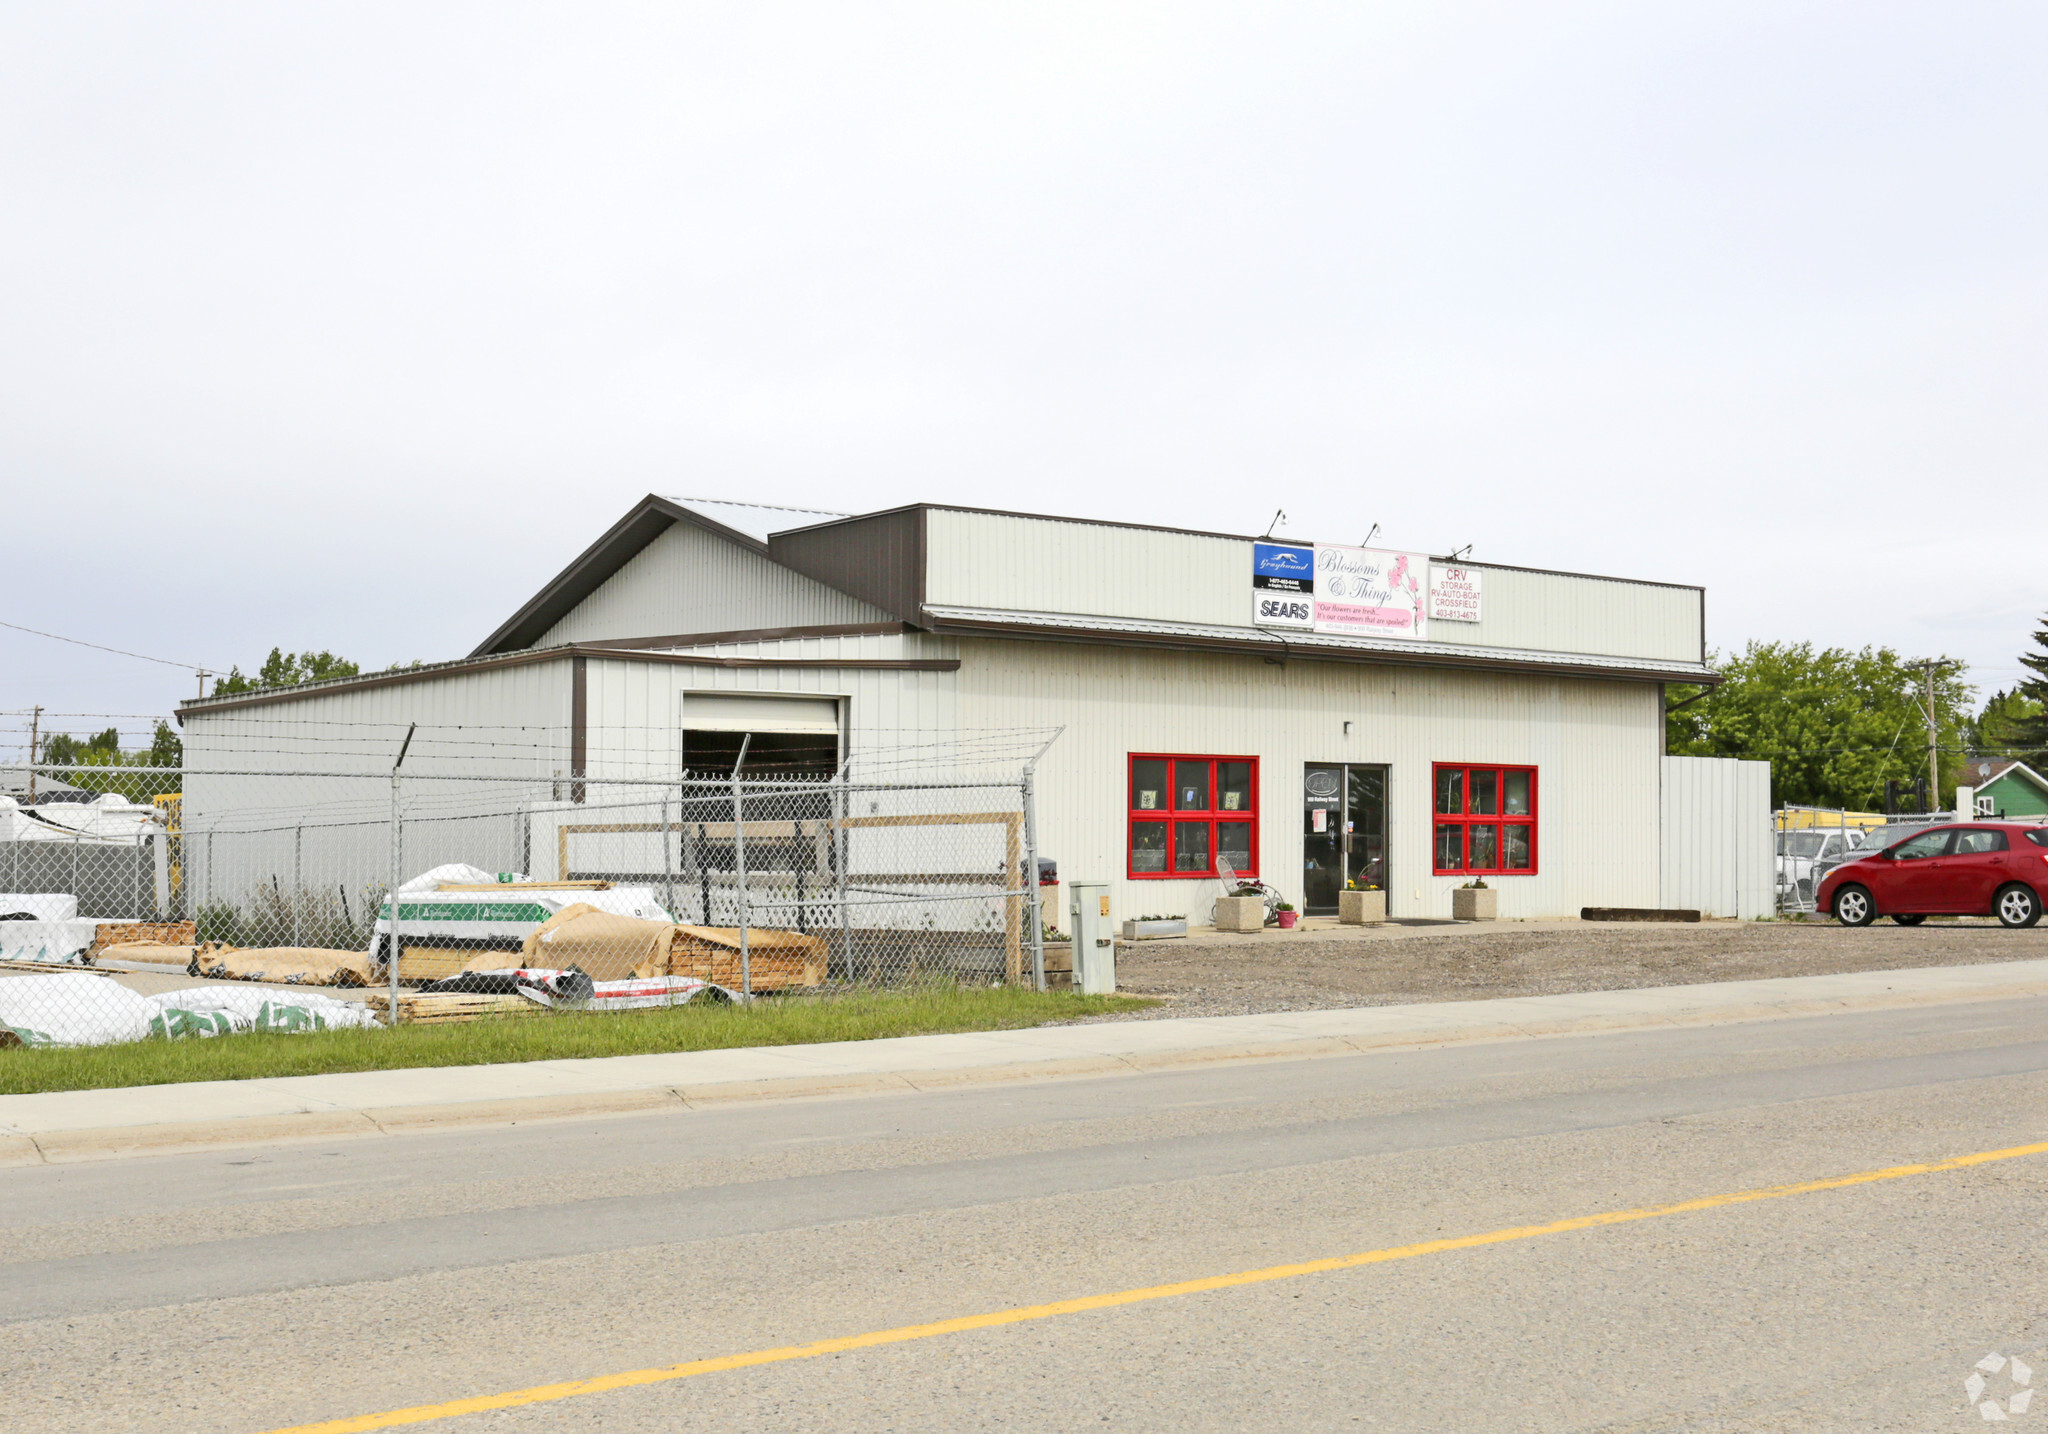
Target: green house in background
2003, 787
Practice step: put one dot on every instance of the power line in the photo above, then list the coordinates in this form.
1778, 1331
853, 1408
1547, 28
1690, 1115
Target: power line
101, 647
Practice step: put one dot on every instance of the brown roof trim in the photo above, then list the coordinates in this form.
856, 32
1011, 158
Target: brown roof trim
691, 659
462, 667
1278, 649
755, 634
644, 522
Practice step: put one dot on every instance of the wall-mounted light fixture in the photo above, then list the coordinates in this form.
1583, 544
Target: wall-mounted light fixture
1347, 729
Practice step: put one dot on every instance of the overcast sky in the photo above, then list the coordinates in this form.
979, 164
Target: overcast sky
346, 326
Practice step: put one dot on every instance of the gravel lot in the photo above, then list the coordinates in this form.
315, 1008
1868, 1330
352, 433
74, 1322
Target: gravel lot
1311, 970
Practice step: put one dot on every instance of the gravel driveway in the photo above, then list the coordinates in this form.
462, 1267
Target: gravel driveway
1310, 970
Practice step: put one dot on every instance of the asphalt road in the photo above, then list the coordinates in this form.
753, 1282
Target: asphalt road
261, 1289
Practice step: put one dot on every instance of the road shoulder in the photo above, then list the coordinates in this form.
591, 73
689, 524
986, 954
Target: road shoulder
67, 1126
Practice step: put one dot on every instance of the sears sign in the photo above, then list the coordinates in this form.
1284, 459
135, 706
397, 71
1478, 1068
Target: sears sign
1283, 584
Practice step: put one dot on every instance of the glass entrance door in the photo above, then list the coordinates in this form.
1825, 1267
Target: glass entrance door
1343, 832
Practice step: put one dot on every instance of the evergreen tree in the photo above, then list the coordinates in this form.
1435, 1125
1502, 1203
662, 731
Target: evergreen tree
2029, 734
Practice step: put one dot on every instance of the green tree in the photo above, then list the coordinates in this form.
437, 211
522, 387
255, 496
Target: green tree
1834, 724
2027, 733
2001, 729
286, 669
99, 765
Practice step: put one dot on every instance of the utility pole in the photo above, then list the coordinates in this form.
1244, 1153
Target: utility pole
1927, 670
35, 723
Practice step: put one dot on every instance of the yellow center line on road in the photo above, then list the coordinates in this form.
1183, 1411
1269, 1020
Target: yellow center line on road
549, 1393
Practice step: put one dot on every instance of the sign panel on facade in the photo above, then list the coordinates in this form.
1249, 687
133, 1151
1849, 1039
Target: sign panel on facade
1454, 594
1283, 584
1371, 592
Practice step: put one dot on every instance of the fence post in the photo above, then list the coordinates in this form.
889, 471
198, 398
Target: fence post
1032, 912
392, 950
397, 872
298, 879
739, 861
668, 866
842, 853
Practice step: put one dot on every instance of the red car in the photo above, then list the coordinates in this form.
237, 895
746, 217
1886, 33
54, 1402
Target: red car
1969, 869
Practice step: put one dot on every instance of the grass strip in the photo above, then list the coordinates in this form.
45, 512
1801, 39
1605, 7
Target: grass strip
559, 1035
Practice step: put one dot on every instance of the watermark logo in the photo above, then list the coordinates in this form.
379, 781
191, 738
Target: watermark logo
2016, 1389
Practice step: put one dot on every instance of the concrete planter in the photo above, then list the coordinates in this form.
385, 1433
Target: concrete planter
1361, 908
1470, 903
1240, 913
1153, 930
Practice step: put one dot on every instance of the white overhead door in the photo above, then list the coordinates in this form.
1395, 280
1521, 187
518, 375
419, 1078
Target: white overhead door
750, 712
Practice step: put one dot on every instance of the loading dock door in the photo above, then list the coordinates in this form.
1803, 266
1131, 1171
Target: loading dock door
791, 736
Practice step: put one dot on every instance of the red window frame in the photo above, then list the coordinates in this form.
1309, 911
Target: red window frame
1465, 819
1176, 819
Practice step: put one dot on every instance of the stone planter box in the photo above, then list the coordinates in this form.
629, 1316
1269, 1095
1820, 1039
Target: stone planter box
1059, 966
1361, 908
1240, 913
1154, 930
1474, 903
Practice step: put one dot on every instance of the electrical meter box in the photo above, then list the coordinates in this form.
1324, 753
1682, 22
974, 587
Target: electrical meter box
1094, 938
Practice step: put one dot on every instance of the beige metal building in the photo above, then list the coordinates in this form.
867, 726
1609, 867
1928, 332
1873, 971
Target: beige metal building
1307, 713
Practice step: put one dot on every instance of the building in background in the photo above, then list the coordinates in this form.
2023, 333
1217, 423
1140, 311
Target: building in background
2002, 787
1309, 714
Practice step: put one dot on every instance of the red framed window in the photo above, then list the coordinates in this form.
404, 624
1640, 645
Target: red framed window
1485, 822
1182, 812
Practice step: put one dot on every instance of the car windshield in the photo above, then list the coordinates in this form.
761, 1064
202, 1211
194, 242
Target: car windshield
1800, 843
1878, 838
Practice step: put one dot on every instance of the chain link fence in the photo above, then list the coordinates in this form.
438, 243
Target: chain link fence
512, 893
1812, 841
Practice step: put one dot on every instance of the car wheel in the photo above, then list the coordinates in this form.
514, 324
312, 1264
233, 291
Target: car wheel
2017, 906
1853, 906
1909, 920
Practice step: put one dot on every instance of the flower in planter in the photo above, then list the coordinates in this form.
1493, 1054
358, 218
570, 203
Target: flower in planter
1284, 906
1476, 884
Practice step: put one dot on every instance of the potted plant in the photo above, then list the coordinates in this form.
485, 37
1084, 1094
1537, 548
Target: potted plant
1243, 910
1152, 928
1475, 901
1286, 915
1361, 903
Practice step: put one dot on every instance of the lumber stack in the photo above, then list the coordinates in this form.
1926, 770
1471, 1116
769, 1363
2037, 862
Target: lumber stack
164, 933
776, 960
430, 1008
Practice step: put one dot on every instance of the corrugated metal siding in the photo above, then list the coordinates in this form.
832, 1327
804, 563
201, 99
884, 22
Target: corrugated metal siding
982, 560
511, 723
688, 580
636, 707
1050, 565
1556, 612
1596, 745
1717, 838
878, 558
